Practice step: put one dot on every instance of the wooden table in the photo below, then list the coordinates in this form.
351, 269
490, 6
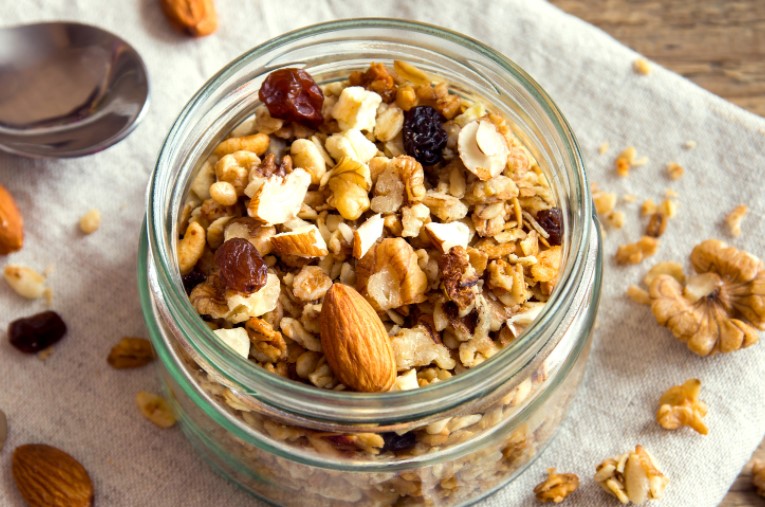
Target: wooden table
719, 45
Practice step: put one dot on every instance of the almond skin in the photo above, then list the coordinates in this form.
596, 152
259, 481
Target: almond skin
11, 224
195, 17
355, 342
49, 477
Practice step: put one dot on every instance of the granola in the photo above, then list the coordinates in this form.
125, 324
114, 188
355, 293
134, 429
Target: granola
440, 237
557, 487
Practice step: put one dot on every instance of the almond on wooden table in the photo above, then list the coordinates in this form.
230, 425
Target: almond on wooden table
195, 17
355, 342
48, 477
11, 224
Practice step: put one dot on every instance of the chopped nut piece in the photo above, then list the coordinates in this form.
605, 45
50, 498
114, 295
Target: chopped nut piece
350, 183
680, 406
632, 477
302, 242
615, 219
546, 269
604, 202
191, 247
648, 208
758, 476
556, 487
638, 295
390, 276
625, 160
734, 218
268, 344
275, 200
675, 170
243, 306
356, 108
367, 235
634, 253
351, 144
131, 352
415, 347
236, 338
656, 225
718, 309
26, 282
90, 221
459, 278
155, 409
311, 283
641, 66
306, 155
446, 236
483, 149
255, 143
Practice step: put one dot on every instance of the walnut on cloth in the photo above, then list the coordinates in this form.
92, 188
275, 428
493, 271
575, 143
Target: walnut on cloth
632, 477
758, 476
680, 406
556, 487
721, 307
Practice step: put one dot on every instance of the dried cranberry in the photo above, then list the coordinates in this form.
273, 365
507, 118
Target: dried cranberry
37, 332
241, 267
398, 443
293, 95
192, 279
551, 221
424, 135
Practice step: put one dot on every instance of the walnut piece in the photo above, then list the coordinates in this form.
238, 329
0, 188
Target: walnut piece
680, 406
734, 218
350, 183
632, 477
556, 487
720, 307
634, 253
390, 276
459, 278
758, 476
268, 344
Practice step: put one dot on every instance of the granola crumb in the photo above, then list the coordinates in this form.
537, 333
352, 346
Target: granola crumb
615, 219
648, 207
629, 198
556, 487
90, 221
668, 207
638, 295
689, 145
675, 171
44, 354
624, 161
734, 218
634, 253
641, 66
603, 148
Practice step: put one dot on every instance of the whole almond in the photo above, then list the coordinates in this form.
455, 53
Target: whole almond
355, 342
195, 17
49, 477
11, 224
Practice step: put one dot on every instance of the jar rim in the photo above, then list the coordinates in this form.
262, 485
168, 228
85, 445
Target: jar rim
366, 407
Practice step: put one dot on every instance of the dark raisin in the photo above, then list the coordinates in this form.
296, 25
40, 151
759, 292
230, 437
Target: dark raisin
551, 221
241, 267
192, 279
293, 95
424, 136
37, 332
398, 443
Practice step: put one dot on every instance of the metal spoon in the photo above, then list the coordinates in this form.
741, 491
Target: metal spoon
67, 89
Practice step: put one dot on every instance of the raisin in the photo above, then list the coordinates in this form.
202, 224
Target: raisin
293, 95
241, 267
551, 221
398, 443
192, 279
37, 332
424, 135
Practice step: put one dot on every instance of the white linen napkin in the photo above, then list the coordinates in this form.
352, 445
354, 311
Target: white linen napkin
75, 401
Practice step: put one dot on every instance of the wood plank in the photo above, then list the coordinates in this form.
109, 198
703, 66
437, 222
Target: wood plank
719, 45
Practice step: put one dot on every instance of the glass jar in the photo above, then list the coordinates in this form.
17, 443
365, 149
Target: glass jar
449, 443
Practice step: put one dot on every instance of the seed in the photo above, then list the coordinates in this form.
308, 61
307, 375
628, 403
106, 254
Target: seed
155, 409
131, 352
37, 332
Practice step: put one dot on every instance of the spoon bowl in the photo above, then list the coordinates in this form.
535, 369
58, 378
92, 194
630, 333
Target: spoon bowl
67, 89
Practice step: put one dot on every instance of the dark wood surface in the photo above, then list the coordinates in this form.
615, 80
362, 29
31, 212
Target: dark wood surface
719, 45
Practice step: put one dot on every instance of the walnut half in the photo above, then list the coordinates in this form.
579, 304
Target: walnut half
719, 309
632, 477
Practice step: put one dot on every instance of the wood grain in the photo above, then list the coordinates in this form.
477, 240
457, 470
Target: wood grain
718, 44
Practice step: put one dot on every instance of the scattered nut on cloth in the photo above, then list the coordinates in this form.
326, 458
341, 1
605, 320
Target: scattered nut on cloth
77, 402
